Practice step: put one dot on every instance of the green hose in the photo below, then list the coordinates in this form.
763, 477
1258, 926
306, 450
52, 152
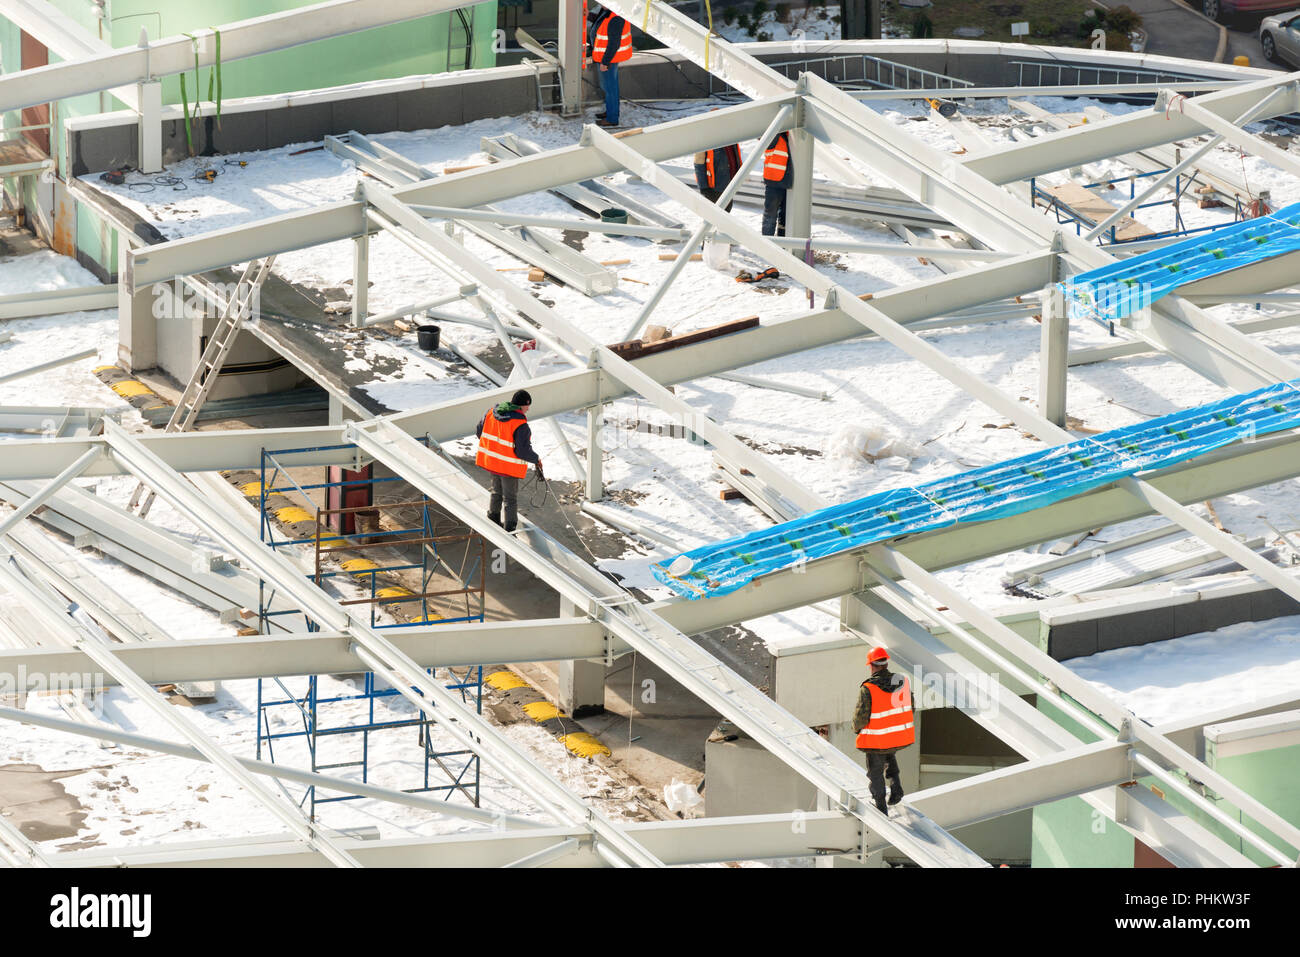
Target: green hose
185, 104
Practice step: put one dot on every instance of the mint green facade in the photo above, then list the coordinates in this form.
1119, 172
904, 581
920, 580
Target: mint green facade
1070, 833
447, 42
434, 44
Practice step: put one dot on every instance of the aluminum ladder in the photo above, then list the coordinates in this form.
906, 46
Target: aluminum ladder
204, 378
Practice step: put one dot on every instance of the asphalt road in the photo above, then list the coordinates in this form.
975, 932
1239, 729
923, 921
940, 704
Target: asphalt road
1243, 40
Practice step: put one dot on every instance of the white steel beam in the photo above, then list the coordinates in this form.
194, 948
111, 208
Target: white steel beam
1085, 695
678, 843
770, 725
477, 187
283, 772
1040, 780
39, 498
79, 637
1087, 89
1033, 734
63, 36
1287, 96
1176, 170
318, 653
865, 313
244, 38
785, 496
1230, 470
1206, 344
468, 729
1124, 134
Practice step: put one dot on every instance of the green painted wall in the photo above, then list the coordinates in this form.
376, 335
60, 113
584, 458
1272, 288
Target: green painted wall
427, 45
1272, 778
418, 46
1070, 833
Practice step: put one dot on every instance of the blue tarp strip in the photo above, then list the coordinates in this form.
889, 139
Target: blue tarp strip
1121, 289
993, 491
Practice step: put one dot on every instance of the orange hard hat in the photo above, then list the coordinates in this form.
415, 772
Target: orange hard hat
877, 654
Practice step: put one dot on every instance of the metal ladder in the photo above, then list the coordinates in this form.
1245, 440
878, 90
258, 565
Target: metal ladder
201, 383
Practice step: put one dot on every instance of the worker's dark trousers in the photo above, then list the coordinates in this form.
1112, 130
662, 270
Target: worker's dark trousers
505, 488
713, 195
881, 765
774, 210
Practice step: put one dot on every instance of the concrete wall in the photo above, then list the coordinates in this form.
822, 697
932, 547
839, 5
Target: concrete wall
1086, 629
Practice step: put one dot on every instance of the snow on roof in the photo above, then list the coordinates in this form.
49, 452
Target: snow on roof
1183, 677
873, 387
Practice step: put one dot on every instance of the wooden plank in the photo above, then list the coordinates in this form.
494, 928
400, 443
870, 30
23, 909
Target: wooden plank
636, 348
1092, 209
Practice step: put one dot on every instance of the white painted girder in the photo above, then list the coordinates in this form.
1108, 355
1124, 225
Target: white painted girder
468, 729
244, 38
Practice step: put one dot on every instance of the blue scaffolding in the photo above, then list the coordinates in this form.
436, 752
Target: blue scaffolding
1066, 214
320, 714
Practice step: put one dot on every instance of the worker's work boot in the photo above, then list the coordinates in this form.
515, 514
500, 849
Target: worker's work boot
880, 806
895, 795
511, 526
494, 517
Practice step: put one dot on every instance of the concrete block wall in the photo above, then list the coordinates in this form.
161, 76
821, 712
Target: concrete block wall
1079, 630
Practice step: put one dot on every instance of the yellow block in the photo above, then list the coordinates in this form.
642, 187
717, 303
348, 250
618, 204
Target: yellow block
584, 745
356, 565
1241, 61
397, 591
254, 489
292, 513
505, 680
541, 711
129, 388
98, 369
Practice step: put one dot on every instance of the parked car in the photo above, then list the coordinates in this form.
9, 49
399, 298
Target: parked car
1228, 10
1279, 35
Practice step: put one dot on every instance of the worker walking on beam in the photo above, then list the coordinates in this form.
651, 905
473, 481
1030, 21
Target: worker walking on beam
611, 44
505, 449
883, 718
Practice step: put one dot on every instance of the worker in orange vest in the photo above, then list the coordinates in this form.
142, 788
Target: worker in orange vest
505, 449
778, 177
714, 171
883, 718
611, 44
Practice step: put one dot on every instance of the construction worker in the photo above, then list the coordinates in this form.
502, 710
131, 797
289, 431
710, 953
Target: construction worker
883, 718
611, 44
505, 449
778, 177
715, 169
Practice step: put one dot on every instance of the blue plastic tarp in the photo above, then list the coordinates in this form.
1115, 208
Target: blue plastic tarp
993, 491
1121, 289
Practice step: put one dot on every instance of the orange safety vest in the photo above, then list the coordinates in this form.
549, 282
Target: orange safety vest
776, 160
708, 164
496, 447
624, 50
890, 724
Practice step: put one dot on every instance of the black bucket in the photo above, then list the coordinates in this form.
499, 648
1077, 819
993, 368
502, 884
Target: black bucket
428, 337
614, 215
